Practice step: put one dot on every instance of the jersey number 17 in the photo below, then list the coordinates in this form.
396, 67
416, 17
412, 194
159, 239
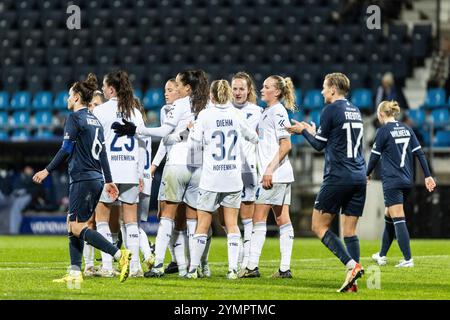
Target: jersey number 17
352, 152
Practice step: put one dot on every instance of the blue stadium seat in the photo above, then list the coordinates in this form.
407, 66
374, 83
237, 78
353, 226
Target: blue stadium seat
21, 119
298, 139
138, 94
43, 100
20, 134
44, 134
425, 134
154, 98
440, 118
298, 96
442, 139
314, 116
21, 100
299, 115
313, 99
4, 135
4, 100
3, 119
60, 102
362, 98
43, 119
417, 116
435, 98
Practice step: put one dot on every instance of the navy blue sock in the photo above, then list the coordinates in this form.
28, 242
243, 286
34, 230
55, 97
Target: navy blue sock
402, 234
75, 251
334, 244
352, 244
388, 236
96, 240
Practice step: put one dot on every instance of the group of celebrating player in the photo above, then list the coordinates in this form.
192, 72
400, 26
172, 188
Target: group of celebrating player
226, 154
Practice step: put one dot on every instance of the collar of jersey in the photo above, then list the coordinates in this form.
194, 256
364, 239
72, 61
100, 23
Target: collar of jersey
223, 106
113, 98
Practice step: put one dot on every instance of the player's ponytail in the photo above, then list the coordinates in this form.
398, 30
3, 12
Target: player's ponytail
252, 96
120, 81
287, 89
198, 81
221, 91
389, 108
138, 105
86, 88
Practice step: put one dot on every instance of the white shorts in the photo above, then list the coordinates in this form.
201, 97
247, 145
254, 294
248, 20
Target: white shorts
128, 193
143, 206
210, 201
250, 181
179, 183
280, 194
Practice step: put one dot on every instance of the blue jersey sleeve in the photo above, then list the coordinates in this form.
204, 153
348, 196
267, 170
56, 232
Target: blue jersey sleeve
70, 136
415, 144
326, 125
379, 142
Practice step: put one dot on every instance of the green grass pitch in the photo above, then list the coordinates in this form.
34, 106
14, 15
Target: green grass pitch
28, 264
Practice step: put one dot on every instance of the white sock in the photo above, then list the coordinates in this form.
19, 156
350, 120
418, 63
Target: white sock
205, 255
133, 245
165, 230
115, 237
351, 264
256, 244
197, 248
88, 254
286, 244
123, 230
173, 239
233, 250
179, 249
190, 230
248, 229
144, 245
107, 259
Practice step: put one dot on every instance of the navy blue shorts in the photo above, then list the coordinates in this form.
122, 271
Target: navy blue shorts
348, 200
395, 196
83, 198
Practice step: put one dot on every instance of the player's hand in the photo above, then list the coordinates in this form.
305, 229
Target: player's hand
430, 184
190, 125
311, 128
126, 129
296, 128
40, 176
267, 180
112, 190
368, 179
152, 170
141, 185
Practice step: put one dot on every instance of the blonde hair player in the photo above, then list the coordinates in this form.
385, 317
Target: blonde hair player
244, 99
343, 190
396, 145
276, 175
220, 129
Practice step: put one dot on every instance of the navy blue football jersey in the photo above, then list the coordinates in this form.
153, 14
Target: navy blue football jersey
84, 131
341, 127
395, 142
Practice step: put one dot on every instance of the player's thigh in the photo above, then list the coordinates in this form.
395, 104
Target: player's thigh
143, 206
83, 198
278, 195
191, 195
281, 214
261, 212
220, 216
354, 201
394, 200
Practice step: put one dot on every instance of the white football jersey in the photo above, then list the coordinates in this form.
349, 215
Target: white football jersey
221, 129
123, 153
271, 129
162, 149
252, 114
179, 115
147, 177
